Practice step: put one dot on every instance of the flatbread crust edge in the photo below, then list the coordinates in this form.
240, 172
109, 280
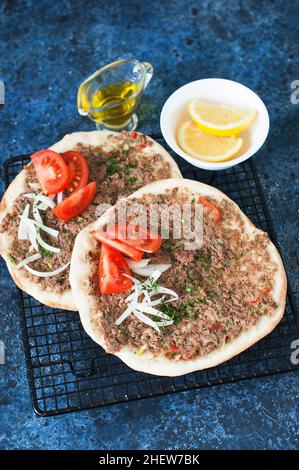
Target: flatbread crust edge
160, 365
93, 139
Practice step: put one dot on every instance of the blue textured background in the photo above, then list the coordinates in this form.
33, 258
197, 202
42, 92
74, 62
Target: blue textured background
45, 53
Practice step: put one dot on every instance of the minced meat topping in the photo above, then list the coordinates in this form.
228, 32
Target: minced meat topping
223, 289
117, 172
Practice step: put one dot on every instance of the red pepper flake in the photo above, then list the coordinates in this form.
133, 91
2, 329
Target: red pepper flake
217, 326
174, 347
133, 135
188, 356
142, 145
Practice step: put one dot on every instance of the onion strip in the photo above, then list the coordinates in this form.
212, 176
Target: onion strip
137, 264
164, 322
22, 231
35, 185
36, 215
151, 311
124, 315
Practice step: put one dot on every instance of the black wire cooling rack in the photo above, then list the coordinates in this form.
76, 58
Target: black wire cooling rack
67, 371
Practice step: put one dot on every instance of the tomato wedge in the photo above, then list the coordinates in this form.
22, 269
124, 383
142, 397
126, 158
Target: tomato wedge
135, 236
76, 203
118, 245
112, 267
78, 170
51, 170
214, 209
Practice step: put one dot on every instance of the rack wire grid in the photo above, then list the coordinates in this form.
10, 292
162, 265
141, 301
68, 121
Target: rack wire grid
68, 372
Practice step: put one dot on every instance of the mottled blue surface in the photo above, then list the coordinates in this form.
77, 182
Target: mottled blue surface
45, 53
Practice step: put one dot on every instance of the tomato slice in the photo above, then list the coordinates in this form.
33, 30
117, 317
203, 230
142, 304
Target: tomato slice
51, 170
214, 209
118, 245
76, 203
112, 268
78, 170
135, 236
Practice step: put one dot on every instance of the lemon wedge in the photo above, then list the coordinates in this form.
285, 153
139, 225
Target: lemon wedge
220, 119
207, 147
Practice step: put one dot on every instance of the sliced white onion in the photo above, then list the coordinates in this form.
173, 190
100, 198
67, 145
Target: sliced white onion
30, 259
46, 200
146, 305
165, 290
45, 245
159, 301
36, 215
42, 207
141, 307
45, 228
164, 322
22, 231
49, 230
153, 277
30, 195
35, 185
46, 273
146, 320
135, 281
128, 310
59, 197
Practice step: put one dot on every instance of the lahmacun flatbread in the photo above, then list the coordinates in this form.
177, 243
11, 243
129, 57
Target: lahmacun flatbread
223, 297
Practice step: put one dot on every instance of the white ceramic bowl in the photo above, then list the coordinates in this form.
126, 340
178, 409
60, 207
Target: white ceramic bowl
222, 91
